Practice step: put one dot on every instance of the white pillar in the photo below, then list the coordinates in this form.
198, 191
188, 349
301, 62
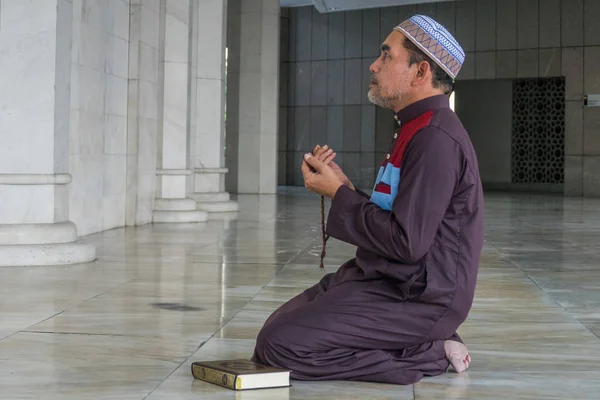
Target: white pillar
208, 113
172, 201
35, 73
253, 95
142, 112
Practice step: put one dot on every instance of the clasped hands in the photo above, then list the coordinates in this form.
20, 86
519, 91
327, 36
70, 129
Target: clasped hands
321, 174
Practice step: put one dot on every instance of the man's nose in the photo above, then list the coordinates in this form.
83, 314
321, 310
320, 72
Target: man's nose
374, 68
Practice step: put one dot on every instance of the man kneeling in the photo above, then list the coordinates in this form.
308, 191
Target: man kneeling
391, 313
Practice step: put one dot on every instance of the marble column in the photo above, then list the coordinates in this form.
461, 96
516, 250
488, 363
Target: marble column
208, 112
35, 72
253, 95
172, 202
142, 112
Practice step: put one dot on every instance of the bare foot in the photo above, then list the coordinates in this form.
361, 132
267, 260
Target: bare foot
458, 355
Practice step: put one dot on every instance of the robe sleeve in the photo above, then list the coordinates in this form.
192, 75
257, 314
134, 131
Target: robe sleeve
430, 171
363, 194
456, 338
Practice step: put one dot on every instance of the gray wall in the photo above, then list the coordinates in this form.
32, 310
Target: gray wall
485, 109
324, 80
327, 58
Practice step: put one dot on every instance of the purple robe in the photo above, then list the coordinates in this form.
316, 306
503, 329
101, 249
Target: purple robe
385, 314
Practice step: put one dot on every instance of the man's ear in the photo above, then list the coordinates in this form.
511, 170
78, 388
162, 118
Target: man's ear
422, 71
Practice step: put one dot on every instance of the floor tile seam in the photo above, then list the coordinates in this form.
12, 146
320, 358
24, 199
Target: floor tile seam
84, 334
232, 318
588, 328
175, 369
262, 287
67, 309
543, 290
233, 263
540, 228
573, 246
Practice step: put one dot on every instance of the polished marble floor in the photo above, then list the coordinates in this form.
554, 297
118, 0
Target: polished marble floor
160, 297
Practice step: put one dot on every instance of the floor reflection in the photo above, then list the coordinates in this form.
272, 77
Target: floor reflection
159, 297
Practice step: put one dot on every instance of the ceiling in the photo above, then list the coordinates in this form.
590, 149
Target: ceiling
300, 3
295, 3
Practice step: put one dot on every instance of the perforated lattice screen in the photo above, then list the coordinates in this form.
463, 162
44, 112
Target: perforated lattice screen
538, 133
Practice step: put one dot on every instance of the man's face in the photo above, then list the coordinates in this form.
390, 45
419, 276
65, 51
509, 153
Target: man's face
391, 74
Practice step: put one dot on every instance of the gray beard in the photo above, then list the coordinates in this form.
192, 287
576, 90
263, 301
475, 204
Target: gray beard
384, 102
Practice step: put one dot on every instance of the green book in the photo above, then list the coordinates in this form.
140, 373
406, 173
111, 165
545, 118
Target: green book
240, 374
